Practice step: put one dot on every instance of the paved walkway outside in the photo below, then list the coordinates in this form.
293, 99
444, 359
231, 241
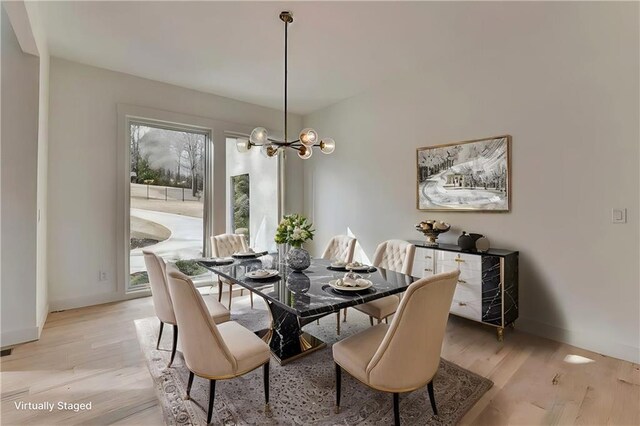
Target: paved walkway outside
185, 241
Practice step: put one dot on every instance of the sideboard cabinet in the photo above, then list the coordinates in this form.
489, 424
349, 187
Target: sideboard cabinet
487, 289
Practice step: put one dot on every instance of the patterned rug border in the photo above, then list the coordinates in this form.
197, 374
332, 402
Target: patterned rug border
170, 388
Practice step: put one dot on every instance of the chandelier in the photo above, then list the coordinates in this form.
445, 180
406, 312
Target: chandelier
307, 139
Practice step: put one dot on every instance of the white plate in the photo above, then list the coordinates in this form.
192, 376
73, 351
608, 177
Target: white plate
333, 284
358, 268
244, 254
255, 276
339, 265
218, 260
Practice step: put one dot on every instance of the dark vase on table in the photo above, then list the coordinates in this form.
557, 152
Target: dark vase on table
298, 258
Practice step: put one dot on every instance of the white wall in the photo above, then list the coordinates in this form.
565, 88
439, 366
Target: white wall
19, 164
83, 213
568, 94
37, 29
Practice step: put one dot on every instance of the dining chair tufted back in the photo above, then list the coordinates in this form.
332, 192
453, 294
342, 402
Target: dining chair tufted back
409, 354
204, 349
395, 255
340, 247
156, 270
224, 245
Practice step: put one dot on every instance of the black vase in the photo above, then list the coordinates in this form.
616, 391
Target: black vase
466, 242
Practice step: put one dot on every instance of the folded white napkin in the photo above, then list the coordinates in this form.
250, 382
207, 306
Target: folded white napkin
351, 279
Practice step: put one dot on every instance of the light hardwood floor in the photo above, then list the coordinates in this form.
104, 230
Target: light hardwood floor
92, 354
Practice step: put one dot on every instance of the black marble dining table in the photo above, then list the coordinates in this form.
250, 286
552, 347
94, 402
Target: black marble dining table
296, 299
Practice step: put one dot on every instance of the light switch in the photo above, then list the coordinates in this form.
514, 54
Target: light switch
618, 215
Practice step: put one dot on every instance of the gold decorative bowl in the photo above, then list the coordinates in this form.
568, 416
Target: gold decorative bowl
431, 229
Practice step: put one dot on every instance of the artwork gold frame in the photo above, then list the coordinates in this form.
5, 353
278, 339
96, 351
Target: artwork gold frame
467, 176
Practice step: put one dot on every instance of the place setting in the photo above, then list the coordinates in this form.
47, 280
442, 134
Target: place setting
350, 283
262, 274
341, 266
216, 261
248, 254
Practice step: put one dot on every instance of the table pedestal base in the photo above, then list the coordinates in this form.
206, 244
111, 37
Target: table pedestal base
286, 338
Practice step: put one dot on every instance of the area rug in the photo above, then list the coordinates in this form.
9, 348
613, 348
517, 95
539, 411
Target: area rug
303, 391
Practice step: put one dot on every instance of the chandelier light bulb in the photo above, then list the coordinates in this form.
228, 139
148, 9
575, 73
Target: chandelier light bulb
305, 152
327, 145
243, 145
268, 150
308, 137
259, 136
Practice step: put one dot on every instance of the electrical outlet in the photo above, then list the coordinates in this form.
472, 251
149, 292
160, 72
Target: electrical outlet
102, 276
618, 215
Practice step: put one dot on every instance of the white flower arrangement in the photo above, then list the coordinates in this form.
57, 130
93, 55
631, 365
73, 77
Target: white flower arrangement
294, 229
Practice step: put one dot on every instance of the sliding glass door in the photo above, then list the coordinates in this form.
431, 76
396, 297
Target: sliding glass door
167, 198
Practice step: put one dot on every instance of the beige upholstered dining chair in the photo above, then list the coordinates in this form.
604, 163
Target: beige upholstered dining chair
214, 352
162, 304
393, 255
225, 245
340, 247
402, 356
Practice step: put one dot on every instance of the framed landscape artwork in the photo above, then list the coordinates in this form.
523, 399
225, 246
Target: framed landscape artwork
465, 176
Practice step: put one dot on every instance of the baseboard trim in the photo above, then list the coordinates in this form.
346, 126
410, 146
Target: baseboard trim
43, 319
16, 337
581, 340
95, 299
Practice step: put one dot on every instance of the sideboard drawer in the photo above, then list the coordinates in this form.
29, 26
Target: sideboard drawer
448, 261
470, 279
424, 253
423, 264
467, 302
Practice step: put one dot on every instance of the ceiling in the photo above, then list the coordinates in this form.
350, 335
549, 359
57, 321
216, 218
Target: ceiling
235, 49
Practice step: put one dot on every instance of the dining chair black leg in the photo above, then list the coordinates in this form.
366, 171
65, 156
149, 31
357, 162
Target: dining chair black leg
230, 295
251, 298
386, 320
344, 315
432, 397
175, 344
338, 323
189, 383
160, 335
371, 321
212, 393
338, 384
396, 408
265, 374
219, 290
379, 320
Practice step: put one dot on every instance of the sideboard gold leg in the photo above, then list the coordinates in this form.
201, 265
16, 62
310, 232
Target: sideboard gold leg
500, 333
